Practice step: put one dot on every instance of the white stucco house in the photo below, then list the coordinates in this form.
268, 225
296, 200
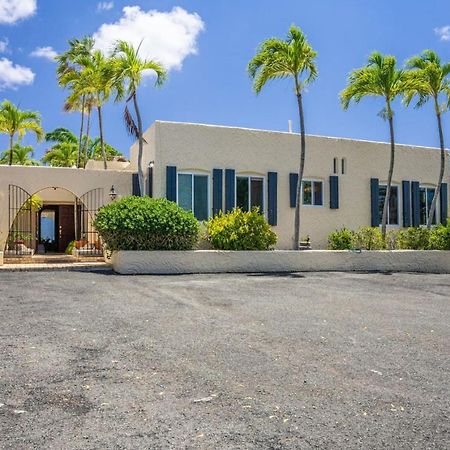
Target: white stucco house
208, 168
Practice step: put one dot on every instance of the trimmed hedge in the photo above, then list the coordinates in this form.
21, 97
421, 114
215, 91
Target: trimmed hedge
240, 230
369, 238
143, 223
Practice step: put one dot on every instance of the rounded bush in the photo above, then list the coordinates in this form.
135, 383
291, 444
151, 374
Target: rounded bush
240, 230
413, 239
143, 223
341, 239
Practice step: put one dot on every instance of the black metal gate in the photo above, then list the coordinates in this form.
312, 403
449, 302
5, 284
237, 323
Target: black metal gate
89, 242
21, 241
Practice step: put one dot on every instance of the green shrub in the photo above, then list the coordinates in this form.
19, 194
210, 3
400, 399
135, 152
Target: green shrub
70, 247
341, 239
143, 223
439, 238
239, 230
413, 238
368, 238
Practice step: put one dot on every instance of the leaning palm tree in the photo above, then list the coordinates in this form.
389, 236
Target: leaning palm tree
379, 78
14, 122
430, 81
22, 156
128, 71
290, 58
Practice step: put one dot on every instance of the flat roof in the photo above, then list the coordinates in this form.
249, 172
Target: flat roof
292, 133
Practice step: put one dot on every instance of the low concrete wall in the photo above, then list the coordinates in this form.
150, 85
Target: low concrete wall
212, 261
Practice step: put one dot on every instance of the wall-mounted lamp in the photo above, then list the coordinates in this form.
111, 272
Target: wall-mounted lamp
113, 193
151, 165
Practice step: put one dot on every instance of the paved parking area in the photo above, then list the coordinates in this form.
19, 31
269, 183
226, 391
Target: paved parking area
327, 361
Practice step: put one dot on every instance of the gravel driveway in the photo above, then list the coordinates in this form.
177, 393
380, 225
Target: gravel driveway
300, 361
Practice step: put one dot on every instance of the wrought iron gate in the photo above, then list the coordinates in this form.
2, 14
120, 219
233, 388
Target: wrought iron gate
21, 241
87, 206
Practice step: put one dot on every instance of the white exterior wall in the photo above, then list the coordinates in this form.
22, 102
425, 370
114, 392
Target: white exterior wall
68, 181
201, 148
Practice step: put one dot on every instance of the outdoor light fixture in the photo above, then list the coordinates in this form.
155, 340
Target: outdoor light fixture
113, 193
151, 165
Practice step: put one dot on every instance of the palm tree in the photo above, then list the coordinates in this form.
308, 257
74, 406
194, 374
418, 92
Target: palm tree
65, 151
379, 78
290, 58
69, 64
14, 121
128, 72
22, 156
429, 81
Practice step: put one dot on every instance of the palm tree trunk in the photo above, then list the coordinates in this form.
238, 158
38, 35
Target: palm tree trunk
391, 171
11, 145
102, 144
88, 130
441, 172
141, 146
301, 168
83, 104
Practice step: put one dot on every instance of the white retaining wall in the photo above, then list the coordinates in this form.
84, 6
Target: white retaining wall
213, 261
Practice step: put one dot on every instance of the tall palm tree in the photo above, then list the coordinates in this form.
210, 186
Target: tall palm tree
22, 156
64, 152
430, 81
379, 78
128, 71
69, 63
98, 74
14, 122
292, 58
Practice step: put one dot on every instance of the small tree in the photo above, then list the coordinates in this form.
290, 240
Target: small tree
379, 78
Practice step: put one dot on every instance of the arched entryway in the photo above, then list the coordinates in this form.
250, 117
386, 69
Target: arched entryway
53, 220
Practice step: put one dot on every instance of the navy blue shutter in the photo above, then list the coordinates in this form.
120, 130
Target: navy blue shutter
415, 200
444, 203
374, 194
406, 198
230, 180
171, 183
293, 179
135, 185
334, 192
217, 191
272, 184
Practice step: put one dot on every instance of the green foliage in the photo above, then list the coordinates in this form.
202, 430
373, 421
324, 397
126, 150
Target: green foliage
143, 223
413, 239
439, 238
341, 239
368, 238
21, 156
70, 248
239, 230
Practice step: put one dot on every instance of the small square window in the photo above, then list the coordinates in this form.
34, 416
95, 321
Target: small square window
312, 193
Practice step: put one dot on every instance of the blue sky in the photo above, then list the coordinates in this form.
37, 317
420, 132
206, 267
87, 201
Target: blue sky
212, 86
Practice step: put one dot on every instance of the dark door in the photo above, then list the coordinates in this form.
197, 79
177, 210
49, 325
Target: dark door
66, 227
48, 228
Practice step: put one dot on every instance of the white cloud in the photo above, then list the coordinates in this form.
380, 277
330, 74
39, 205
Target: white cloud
11, 11
12, 75
105, 6
44, 52
4, 45
167, 37
443, 33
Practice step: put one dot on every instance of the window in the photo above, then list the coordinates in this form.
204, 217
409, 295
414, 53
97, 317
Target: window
335, 165
193, 194
312, 193
250, 193
426, 198
392, 218
343, 166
